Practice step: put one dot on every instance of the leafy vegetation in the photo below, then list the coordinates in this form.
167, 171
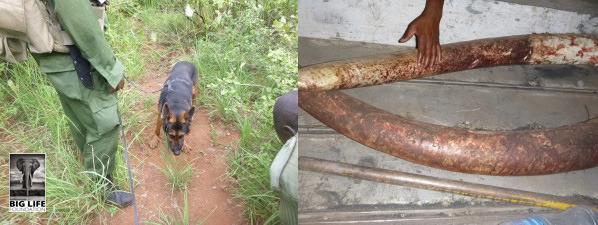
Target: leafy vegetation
245, 65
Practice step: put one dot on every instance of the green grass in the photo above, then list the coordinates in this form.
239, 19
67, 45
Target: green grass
246, 52
179, 174
182, 217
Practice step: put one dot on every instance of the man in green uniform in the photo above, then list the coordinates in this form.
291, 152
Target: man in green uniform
88, 96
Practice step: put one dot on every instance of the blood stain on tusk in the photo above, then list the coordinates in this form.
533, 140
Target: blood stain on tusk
535, 152
518, 152
513, 50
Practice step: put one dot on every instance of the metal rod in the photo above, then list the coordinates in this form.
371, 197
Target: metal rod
436, 184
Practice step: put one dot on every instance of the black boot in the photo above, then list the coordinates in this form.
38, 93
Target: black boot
120, 199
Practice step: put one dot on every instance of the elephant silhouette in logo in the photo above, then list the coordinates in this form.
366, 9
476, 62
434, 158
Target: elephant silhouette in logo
27, 167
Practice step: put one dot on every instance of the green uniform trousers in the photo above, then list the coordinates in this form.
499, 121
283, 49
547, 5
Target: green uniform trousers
95, 122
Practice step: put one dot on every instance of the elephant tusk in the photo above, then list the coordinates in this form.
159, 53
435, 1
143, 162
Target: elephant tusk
545, 151
513, 50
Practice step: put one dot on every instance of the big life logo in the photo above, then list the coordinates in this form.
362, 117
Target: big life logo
27, 181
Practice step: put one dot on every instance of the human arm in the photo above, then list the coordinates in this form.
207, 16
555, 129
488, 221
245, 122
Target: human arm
80, 22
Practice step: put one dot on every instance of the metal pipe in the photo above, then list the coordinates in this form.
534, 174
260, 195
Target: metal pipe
513, 50
535, 152
436, 184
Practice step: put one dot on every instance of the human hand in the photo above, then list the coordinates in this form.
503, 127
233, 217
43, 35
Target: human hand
426, 30
118, 87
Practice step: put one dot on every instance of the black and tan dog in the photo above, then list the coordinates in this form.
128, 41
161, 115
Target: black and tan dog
176, 106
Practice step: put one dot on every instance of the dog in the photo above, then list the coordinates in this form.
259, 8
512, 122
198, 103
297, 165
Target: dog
176, 106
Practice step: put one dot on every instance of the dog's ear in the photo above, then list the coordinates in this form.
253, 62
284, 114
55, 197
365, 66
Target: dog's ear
182, 118
167, 115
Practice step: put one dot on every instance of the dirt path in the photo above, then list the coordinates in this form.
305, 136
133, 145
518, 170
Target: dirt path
209, 191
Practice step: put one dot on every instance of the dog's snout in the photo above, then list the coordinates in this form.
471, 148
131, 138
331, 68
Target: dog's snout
176, 151
177, 145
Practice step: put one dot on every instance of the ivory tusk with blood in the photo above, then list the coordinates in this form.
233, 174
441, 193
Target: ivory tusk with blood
532, 152
513, 50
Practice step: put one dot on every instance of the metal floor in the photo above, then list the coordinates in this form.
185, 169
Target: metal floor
494, 98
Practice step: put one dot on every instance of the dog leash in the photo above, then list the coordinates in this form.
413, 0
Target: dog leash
126, 156
126, 150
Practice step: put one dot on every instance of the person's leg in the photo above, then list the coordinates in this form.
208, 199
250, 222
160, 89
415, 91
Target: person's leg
100, 142
77, 129
100, 152
94, 120
94, 112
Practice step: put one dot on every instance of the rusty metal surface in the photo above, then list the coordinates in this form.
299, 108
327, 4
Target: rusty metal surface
440, 184
526, 152
513, 50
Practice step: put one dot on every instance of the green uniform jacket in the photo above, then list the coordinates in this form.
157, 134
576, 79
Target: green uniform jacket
74, 16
